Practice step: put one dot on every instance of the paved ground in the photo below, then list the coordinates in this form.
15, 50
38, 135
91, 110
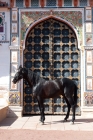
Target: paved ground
28, 128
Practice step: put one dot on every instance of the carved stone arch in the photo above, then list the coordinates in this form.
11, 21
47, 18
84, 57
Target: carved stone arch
51, 50
49, 17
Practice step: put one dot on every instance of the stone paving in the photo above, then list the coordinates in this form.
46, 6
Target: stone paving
52, 122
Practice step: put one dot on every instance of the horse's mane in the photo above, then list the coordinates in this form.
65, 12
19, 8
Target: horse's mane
34, 76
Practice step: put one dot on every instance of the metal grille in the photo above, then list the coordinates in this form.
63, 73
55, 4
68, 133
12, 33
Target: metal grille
67, 2
83, 2
19, 3
34, 3
51, 51
51, 3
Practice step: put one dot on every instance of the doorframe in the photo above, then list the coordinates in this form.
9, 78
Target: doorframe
62, 20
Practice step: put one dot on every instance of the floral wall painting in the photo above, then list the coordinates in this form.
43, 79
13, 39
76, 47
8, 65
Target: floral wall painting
14, 98
89, 57
14, 15
89, 84
14, 56
89, 70
89, 39
14, 27
88, 99
14, 40
88, 27
88, 15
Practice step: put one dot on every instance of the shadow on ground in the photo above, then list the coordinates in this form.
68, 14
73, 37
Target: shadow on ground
8, 121
77, 121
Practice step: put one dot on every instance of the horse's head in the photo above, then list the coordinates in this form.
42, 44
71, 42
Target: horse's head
21, 73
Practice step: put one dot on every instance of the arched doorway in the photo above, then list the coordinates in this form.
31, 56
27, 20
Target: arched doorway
51, 49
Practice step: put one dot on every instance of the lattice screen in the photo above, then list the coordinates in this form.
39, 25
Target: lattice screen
67, 2
34, 3
19, 3
51, 3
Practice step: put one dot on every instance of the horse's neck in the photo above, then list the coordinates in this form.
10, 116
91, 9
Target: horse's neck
35, 78
28, 78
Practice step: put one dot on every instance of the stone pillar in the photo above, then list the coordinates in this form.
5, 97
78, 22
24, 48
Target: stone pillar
60, 3
11, 3
15, 105
75, 2
91, 3
27, 3
42, 3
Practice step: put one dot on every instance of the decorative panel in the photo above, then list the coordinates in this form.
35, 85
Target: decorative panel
2, 26
88, 99
14, 98
73, 17
89, 70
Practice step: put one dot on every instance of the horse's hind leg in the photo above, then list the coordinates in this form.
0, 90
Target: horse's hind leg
69, 106
40, 110
73, 106
41, 106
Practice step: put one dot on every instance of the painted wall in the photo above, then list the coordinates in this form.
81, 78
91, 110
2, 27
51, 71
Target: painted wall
4, 57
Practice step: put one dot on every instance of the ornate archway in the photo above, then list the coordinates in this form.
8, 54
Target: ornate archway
51, 49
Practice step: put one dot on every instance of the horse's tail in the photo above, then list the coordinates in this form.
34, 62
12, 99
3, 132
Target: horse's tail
75, 94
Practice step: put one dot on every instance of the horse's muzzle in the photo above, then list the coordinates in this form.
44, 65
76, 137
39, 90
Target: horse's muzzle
14, 81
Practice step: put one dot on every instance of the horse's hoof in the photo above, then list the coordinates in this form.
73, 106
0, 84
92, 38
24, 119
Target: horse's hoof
71, 123
41, 122
65, 120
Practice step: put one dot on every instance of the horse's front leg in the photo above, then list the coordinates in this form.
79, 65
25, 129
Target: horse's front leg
41, 106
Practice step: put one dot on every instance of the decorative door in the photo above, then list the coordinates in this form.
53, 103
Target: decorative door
51, 51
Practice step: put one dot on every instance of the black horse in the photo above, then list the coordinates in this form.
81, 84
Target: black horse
43, 89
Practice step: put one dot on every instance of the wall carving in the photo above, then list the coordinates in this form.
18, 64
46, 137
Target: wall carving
73, 17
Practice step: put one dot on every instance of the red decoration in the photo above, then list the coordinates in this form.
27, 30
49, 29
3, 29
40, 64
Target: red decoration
27, 3
75, 3
11, 3
42, 3
91, 3
59, 3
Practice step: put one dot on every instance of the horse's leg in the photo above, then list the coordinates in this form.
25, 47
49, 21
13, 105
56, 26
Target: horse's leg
69, 106
40, 102
73, 106
39, 109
